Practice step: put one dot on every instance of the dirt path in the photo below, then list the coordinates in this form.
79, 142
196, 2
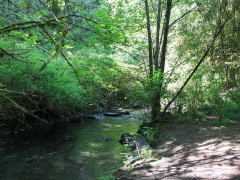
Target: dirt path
191, 151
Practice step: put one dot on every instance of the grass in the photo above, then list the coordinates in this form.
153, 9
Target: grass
224, 121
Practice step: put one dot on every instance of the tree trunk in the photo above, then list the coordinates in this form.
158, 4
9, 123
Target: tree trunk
154, 103
154, 58
157, 101
165, 36
150, 54
230, 77
155, 113
196, 67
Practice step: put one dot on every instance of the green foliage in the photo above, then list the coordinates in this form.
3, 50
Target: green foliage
221, 122
230, 110
100, 82
149, 131
108, 178
191, 116
92, 55
85, 80
137, 96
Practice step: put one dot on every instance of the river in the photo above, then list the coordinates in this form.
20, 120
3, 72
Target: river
71, 151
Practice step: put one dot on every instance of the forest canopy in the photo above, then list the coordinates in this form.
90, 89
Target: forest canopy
62, 58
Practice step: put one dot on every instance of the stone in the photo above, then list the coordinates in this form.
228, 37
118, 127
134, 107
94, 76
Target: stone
126, 138
124, 112
107, 139
111, 114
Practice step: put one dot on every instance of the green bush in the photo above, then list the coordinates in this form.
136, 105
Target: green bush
221, 122
99, 83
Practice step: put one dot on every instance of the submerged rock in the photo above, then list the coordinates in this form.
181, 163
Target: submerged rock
107, 139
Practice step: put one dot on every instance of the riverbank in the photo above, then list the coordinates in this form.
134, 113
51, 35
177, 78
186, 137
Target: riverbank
196, 150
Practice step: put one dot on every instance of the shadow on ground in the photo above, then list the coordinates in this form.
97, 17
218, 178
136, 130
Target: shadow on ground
191, 151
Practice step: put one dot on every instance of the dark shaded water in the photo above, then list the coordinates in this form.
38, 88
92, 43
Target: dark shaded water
73, 151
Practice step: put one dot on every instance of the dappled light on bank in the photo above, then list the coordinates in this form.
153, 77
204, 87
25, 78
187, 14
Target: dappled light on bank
192, 154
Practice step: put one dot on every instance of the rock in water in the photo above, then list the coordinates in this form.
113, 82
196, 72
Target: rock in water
124, 112
126, 138
111, 114
107, 139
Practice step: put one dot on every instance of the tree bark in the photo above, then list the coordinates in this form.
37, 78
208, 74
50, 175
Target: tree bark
150, 54
154, 58
156, 55
156, 107
230, 77
165, 37
155, 113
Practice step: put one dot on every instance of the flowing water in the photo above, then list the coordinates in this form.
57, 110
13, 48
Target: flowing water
72, 151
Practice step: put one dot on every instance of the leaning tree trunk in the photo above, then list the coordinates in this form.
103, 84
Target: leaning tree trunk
197, 66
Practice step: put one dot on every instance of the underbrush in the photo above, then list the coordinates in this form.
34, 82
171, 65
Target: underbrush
45, 94
220, 122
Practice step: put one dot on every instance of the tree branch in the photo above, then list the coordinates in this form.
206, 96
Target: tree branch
183, 15
196, 68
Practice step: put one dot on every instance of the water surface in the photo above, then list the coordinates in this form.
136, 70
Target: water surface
71, 151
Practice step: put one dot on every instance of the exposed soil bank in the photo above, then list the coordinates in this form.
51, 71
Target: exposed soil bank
191, 151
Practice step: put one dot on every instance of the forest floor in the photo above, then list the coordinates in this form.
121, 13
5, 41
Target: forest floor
190, 151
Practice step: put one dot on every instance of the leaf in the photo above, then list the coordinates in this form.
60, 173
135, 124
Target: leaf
34, 39
41, 12
67, 47
22, 4
2, 85
44, 12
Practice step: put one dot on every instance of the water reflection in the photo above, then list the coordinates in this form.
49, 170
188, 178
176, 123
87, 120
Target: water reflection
71, 151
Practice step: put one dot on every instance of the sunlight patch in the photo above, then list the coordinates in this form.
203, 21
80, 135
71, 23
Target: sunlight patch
88, 154
95, 144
